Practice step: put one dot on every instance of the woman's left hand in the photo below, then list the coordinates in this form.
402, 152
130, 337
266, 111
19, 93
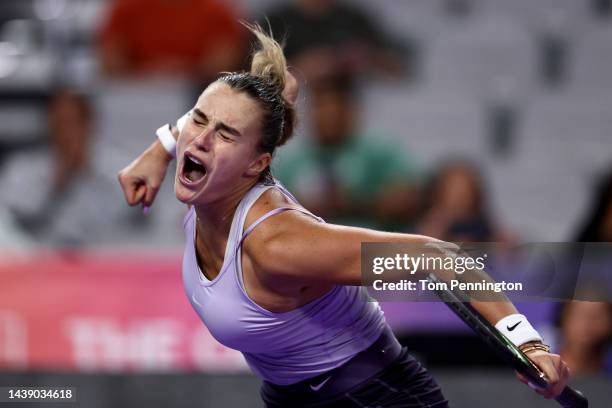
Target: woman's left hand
554, 368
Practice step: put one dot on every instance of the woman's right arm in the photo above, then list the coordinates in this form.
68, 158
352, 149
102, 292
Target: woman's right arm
141, 179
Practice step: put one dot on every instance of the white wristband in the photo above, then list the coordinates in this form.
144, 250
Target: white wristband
180, 124
164, 134
517, 329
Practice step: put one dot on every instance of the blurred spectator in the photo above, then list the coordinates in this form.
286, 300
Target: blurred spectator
324, 37
56, 196
456, 207
597, 226
193, 38
343, 174
586, 327
586, 334
70, 122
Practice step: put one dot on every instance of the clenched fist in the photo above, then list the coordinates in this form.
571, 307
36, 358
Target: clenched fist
141, 179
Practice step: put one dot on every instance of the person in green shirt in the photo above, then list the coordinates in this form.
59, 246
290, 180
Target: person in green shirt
344, 174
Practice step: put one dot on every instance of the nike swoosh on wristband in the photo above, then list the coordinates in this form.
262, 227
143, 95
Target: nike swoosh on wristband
510, 328
321, 384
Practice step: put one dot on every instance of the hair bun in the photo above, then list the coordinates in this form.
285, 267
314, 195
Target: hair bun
269, 60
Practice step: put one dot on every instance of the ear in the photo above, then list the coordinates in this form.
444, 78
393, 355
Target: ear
259, 164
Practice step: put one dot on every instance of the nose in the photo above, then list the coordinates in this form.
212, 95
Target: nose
204, 139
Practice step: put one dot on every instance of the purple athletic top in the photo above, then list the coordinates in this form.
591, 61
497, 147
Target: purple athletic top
282, 348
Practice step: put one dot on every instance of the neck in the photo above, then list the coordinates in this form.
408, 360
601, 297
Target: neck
216, 217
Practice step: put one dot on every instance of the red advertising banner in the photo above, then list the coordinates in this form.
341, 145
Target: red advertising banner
102, 311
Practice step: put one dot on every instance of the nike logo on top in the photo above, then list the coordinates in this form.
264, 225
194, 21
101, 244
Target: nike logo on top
510, 328
321, 384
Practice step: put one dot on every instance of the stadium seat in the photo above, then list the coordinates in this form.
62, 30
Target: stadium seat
431, 124
564, 143
591, 59
490, 55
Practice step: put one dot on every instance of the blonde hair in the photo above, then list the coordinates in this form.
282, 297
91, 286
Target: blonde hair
265, 83
269, 60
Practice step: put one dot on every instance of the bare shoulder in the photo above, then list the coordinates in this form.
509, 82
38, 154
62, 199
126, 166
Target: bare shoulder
297, 249
268, 201
278, 236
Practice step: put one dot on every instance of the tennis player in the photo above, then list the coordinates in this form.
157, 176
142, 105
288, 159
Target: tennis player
271, 279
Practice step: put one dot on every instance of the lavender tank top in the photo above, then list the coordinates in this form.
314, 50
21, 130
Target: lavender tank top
282, 348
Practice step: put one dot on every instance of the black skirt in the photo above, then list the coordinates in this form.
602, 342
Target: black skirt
383, 376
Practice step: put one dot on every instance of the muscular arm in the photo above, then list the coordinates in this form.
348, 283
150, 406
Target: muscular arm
296, 248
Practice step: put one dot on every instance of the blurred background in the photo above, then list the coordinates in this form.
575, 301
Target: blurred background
467, 120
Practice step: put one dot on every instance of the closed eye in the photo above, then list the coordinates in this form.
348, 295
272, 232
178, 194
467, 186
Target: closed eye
226, 137
203, 120
199, 118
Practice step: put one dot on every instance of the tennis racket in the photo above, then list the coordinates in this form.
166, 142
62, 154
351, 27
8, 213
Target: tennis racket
458, 303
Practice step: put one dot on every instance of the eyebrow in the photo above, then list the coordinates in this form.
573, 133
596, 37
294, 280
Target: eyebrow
220, 125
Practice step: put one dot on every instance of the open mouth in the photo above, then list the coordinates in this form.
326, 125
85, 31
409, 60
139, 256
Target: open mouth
193, 169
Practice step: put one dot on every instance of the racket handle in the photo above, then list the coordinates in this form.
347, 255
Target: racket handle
571, 398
